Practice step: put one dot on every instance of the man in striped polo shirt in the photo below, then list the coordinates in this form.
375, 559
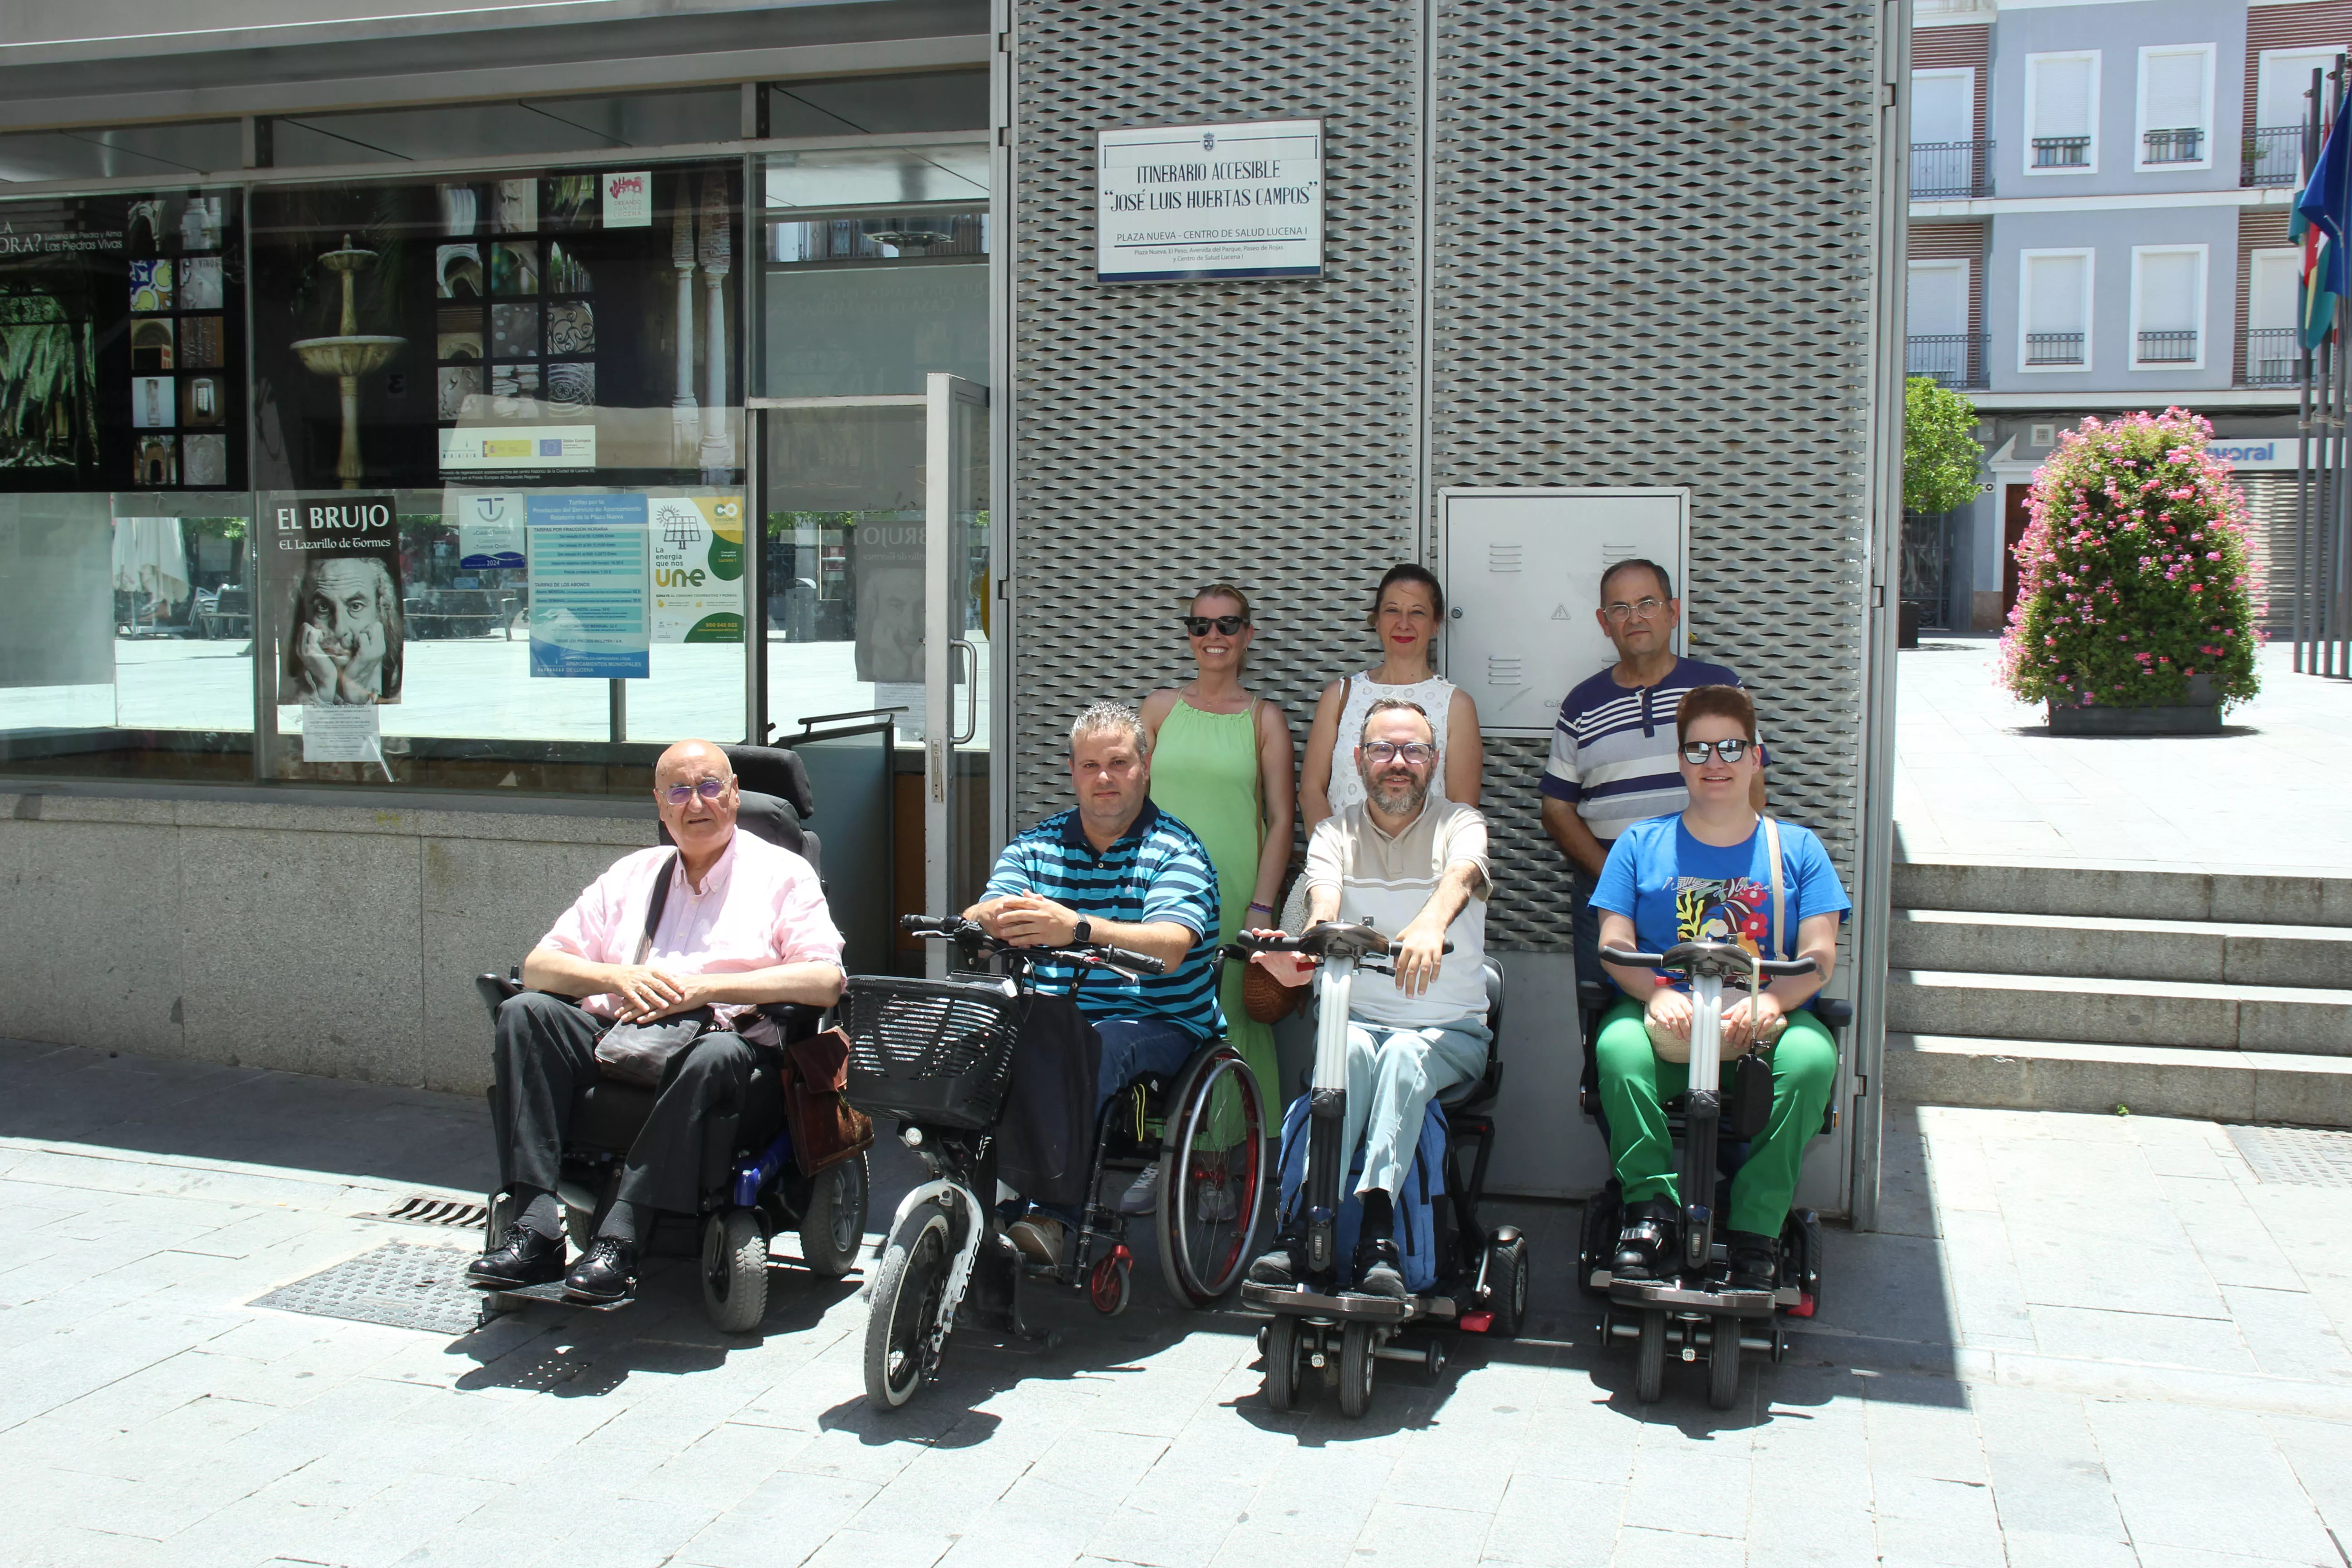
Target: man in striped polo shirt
1612, 749
1117, 870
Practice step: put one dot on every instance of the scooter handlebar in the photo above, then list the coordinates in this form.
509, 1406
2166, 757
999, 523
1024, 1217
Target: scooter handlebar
1330, 939
1719, 957
957, 927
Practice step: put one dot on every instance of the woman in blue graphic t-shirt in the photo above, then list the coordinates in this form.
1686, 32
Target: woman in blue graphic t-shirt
1704, 877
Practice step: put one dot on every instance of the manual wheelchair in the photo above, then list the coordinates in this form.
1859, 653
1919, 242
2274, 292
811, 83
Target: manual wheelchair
938, 1057
1690, 1314
753, 1188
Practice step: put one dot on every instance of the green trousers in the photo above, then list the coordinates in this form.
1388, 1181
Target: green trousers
1635, 1086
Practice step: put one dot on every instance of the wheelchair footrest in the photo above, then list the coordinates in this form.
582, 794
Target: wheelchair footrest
553, 1294
1788, 1297
1682, 1299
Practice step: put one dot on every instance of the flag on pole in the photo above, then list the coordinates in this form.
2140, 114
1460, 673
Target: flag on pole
2322, 212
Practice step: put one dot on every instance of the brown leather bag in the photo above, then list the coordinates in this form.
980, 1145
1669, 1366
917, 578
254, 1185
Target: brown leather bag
826, 1129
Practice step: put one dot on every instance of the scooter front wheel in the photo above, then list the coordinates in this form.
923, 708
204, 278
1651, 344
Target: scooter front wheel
908, 1290
1650, 1361
1281, 1364
1723, 1362
1356, 1364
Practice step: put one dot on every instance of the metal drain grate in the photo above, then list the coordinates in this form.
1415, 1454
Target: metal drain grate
2297, 1156
423, 1208
400, 1285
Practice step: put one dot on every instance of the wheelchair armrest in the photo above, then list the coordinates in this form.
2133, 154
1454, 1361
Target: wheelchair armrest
496, 989
1835, 1013
794, 1020
1594, 996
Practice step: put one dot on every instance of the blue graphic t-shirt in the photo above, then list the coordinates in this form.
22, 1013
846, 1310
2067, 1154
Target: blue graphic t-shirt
1676, 888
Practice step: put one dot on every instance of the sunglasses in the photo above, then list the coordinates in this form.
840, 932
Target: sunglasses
1201, 626
1694, 752
1413, 752
709, 789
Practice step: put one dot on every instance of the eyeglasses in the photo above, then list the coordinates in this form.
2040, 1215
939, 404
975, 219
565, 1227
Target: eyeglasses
1639, 610
1413, 752
1199, 625
709, 789
1694, 752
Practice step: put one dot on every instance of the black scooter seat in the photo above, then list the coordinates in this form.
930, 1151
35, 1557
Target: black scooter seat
1300, 1302
1682, 1299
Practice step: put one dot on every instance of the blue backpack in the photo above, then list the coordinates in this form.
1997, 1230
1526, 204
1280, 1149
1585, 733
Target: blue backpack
1416, 1219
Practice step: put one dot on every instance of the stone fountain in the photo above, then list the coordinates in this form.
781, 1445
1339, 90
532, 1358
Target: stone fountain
348, 356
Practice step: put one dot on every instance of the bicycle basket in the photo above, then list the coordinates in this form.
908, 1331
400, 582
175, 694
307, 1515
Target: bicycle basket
939, 1052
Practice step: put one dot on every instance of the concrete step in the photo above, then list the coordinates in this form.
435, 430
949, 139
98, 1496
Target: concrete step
2150, 1080
2190, 1014
2235, 953
2099, 891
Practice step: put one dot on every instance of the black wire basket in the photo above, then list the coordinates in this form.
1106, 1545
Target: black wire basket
937, 1052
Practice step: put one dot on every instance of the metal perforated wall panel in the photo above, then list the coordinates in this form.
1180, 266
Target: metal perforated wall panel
1654, 268
1649, 264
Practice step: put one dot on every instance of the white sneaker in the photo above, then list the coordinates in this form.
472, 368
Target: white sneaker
1143, 1196
1214, 1202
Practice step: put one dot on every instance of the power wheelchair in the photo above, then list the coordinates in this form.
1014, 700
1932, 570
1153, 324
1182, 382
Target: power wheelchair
938, 1057
1315, 1328
751, 1186
1688, 1314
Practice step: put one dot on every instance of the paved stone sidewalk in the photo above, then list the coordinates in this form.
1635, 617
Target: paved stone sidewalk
2083, 1340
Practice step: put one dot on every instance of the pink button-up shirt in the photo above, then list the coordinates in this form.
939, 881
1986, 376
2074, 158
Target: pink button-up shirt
758, 906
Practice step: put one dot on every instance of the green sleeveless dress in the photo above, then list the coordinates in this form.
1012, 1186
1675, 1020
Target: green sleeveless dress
1205, 773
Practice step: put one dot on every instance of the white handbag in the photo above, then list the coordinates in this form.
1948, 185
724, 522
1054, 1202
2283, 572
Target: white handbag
1672, 1045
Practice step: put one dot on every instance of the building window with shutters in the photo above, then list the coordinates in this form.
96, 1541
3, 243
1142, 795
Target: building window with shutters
2054, 322
2061, 113
2273, 352
2168, 306
2274, 150
1947, 158
2176, 108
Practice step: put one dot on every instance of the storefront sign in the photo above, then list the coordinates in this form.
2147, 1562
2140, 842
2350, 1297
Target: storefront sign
496, 447
2267, 453
629, 200
588, 587
489, 531
698, 554
331, 575
1179, 203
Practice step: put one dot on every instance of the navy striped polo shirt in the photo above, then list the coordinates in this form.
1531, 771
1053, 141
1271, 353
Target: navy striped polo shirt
1614, 750
1156, 871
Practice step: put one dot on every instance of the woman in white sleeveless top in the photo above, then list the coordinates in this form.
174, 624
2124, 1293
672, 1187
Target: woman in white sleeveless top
1408, 612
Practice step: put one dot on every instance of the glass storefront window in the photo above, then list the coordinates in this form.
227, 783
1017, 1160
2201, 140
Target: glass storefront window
879, 105
124, 151
523, 127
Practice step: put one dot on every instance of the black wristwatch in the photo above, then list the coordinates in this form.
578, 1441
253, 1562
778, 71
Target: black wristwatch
1084, 932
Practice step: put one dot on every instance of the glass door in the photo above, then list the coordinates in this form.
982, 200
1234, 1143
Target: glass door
957, 842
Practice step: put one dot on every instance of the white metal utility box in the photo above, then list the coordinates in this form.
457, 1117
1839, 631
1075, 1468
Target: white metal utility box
1522, 572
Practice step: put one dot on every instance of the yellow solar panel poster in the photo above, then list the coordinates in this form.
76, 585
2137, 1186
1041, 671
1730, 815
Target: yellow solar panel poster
697, 588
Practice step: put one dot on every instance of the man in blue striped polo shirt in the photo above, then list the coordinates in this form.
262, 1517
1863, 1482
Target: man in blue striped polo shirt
1612, 750
1117, 870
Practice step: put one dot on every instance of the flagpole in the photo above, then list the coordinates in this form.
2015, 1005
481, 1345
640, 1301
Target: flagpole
2338, 659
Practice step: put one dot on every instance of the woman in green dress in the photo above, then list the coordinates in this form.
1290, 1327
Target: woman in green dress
1221, 764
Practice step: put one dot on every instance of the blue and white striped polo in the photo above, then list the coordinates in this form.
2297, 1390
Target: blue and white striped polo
1157, 870
1612, 749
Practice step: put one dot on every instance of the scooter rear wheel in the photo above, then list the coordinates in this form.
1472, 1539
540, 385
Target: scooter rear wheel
1723, 1362
1650, 1361
1356, 1364
1281, 1364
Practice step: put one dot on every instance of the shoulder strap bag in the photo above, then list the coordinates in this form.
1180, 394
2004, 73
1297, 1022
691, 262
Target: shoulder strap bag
640, 1053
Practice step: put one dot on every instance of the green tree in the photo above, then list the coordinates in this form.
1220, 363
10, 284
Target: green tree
1940, 455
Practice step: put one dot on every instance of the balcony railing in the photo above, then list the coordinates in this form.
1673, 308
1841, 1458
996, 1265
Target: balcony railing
2061, 151
2167, 348
2182, 144
1952, 359
2053, 348
2274, 156
2273, 357
1951, 168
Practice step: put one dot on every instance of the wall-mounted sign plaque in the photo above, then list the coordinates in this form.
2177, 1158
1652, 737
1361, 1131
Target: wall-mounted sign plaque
1174, 203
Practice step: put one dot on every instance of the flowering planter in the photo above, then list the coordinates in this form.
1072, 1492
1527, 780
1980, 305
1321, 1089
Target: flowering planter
2201, 717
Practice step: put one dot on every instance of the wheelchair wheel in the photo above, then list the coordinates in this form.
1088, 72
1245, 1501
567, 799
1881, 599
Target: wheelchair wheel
1649, 1361
908, 1288
1356, 1365
834, 1225
734, 1270
1212, 1177
1281, 1364
1723, 1362
1506, 1278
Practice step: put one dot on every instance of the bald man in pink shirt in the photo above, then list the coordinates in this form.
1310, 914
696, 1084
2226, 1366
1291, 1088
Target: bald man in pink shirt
744, 923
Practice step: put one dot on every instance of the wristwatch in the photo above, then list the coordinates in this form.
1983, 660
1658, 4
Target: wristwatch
1085, 931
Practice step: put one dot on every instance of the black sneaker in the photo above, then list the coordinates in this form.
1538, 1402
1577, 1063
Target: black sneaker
608, 1273
524, 1258
1755, 1261
1276, 1269
1645, 1244
1377, 1270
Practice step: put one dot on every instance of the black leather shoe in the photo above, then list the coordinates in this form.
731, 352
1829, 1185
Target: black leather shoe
607, 1273
1377, 1270
1275, 1268
1755, 1261
1645, 1245
524, 1258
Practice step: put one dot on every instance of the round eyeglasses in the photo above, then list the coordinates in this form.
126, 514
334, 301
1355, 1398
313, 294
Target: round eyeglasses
1642, 609
1417, 753
1694, 752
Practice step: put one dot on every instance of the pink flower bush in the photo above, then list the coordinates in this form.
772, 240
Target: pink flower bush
2133, 573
